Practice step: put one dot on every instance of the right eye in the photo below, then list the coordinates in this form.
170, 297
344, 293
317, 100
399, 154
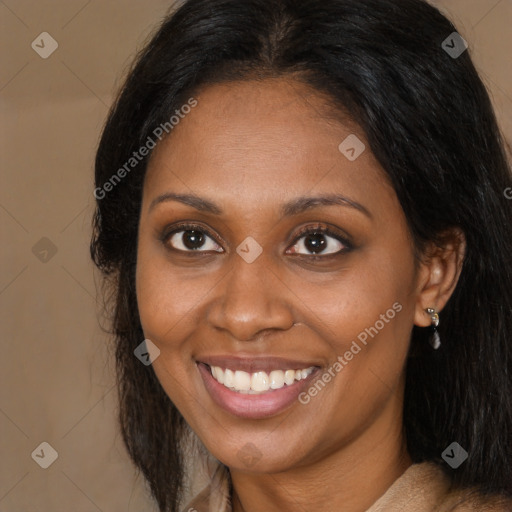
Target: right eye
191, 238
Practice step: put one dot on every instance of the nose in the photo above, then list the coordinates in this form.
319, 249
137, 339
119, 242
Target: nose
250, 300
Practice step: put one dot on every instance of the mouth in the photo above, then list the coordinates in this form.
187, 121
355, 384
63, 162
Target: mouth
255, 389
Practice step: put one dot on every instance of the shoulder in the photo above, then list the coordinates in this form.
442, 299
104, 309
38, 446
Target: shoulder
473, 501
425, 487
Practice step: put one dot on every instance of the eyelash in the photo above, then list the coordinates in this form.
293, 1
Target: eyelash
308, 230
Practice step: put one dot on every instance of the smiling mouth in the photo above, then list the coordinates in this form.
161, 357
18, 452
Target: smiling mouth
257, 382
255, 387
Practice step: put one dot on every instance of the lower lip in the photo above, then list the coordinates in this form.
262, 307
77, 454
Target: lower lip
253, 406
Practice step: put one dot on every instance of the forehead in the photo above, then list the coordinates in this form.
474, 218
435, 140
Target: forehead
263, 141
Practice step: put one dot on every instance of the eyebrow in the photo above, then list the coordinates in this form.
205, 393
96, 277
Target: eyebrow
293, 207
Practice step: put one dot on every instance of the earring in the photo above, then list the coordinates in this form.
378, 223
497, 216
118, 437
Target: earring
435, 340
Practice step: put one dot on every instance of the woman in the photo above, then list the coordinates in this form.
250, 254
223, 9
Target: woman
301, 208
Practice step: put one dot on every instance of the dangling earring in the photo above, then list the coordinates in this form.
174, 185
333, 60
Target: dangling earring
435, 340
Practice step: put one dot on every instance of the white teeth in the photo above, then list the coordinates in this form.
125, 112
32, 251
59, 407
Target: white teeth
258, 382
229, 378
218, 374
289, 377
276, 379
242, 381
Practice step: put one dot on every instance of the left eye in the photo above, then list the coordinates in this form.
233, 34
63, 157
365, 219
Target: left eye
317, 242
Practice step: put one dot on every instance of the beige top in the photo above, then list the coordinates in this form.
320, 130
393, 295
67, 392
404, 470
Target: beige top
421, 488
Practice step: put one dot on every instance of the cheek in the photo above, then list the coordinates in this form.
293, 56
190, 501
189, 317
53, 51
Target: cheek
370, 292
366, 319
167, 298
366, 316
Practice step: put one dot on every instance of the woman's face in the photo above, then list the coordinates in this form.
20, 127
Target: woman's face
245, 289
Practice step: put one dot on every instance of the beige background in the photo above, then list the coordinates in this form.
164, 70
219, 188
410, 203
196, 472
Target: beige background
57, 383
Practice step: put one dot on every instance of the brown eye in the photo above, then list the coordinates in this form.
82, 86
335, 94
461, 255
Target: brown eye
315, 242
193, 239
319, 242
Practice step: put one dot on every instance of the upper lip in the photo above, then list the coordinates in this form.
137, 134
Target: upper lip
253, 364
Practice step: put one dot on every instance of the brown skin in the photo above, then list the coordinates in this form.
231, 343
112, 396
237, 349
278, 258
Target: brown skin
250, 147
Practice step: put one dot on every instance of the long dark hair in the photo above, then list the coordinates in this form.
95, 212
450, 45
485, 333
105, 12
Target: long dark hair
429, 122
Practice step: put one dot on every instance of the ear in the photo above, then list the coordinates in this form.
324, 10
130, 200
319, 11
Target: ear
438, 274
